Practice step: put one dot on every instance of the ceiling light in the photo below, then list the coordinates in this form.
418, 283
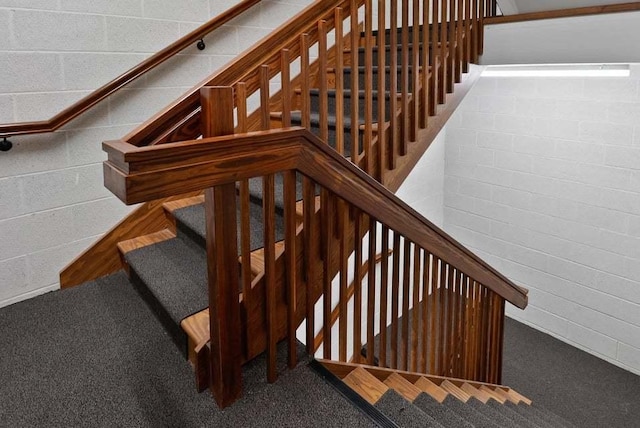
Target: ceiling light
558, 70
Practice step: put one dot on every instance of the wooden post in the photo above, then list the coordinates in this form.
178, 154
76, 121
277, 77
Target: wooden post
222, 257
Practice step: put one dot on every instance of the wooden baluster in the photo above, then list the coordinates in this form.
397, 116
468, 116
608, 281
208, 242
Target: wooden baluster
222, 257
474, 30
343, 221
485, 334
498, 379
384, 287
357, 286
371, 291
442, 72
395, 283
269, 219
426, 272
450, 328
381, 152
406, 285
442, 323
490, 338
415, 320
310, 256
322, 73
290, 218
483, 11
451, 43
339, 86
466, 49
393, 149
405, 133
245, 238
433, 315
327, 237
459, 324
464, 327
468, 326
458, 47
415, 71
265, 119
435, 58
426, 55
355, 82
285, 78
305, 85
368, 87
477, 353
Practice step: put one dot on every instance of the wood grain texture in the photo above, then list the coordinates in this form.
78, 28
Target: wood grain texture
564, 13
432, 389
455, 391
365, 384
403, 387
127, 77
142, 241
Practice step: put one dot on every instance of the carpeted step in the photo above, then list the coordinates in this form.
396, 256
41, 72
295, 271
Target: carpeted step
442, 414
347, 76
477, 419
520, 420
549, 416
403, 412
190, 221
388, 52
172, 277
531, 414
387, 31
347, 94
496, 416
296, 119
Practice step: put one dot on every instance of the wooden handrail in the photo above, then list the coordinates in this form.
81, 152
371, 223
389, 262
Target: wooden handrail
138, 174
564, 13
76, 109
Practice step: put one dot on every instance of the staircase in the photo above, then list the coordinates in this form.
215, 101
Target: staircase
267, 210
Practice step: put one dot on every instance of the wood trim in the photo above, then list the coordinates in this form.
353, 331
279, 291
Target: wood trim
103, 257
564, 13
177, 168
127, 77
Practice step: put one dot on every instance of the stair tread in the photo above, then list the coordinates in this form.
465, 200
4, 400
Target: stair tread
477, 419
143, 241
445, 416
403, 412
494, 414
175, 273
511, 414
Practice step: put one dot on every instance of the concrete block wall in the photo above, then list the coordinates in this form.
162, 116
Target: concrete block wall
53, 52
542, 179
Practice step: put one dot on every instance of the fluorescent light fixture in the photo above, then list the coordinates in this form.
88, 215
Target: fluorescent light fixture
558, 70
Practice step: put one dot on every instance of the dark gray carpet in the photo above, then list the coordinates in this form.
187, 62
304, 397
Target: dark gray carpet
535, 416
581, 388
477, 419
95, 356
494, 415
446, 417
516, 417
403, 412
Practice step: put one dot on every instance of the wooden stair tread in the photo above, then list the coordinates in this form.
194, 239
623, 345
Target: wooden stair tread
142, 241
492, 394
455, 391
436, 392
403, 387
366, 384
197, 327
475, 392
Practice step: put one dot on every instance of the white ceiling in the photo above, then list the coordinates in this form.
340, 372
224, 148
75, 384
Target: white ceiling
512, 7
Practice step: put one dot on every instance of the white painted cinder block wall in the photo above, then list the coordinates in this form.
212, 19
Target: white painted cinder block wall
542, 179
53, 52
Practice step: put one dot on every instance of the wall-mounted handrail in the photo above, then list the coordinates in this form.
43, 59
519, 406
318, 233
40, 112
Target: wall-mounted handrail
564, 13
76, 109
139, 174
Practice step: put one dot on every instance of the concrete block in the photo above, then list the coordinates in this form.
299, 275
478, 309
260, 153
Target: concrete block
513, 161
216, 7
133, 106
195, 10
85, 145
497, 104
51, 31
96, 217
618, 286
11, 195
495, 140
43, 106
556, 128
470, 103
624, 113
634, 225
475, 189
544, 320
180, 71
89, 71
6, 109
476, 156
539, 146
511, 197
594, 341
629, 356
536, 107
626, 202
490, 175
5, 37
520, 87
477, 121
580, 151
16, 74
614, 89
559, 88
519, 125
581, 110
485, 86
30, 4
603, 217
13, 277
139, 35
104, 7
554, 168
34, 153
492, 210
623, 157
605, 176
456, 137
533, 183
606, 133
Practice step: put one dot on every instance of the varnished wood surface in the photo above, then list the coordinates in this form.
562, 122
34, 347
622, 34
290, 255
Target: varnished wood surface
564, 13
403, 387
365, 384
432, 389
145, 240
102, 257
455, 391
127, 77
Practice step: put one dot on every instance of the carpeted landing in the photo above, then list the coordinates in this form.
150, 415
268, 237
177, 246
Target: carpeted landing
96, 356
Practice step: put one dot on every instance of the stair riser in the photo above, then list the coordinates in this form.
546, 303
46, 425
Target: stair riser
375, 78
388, 53
331, 105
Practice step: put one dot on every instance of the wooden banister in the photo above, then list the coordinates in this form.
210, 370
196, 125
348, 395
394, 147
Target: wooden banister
564, 13
139, 174
76, 109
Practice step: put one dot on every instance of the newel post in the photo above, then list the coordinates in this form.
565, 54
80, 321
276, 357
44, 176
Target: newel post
222, 255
